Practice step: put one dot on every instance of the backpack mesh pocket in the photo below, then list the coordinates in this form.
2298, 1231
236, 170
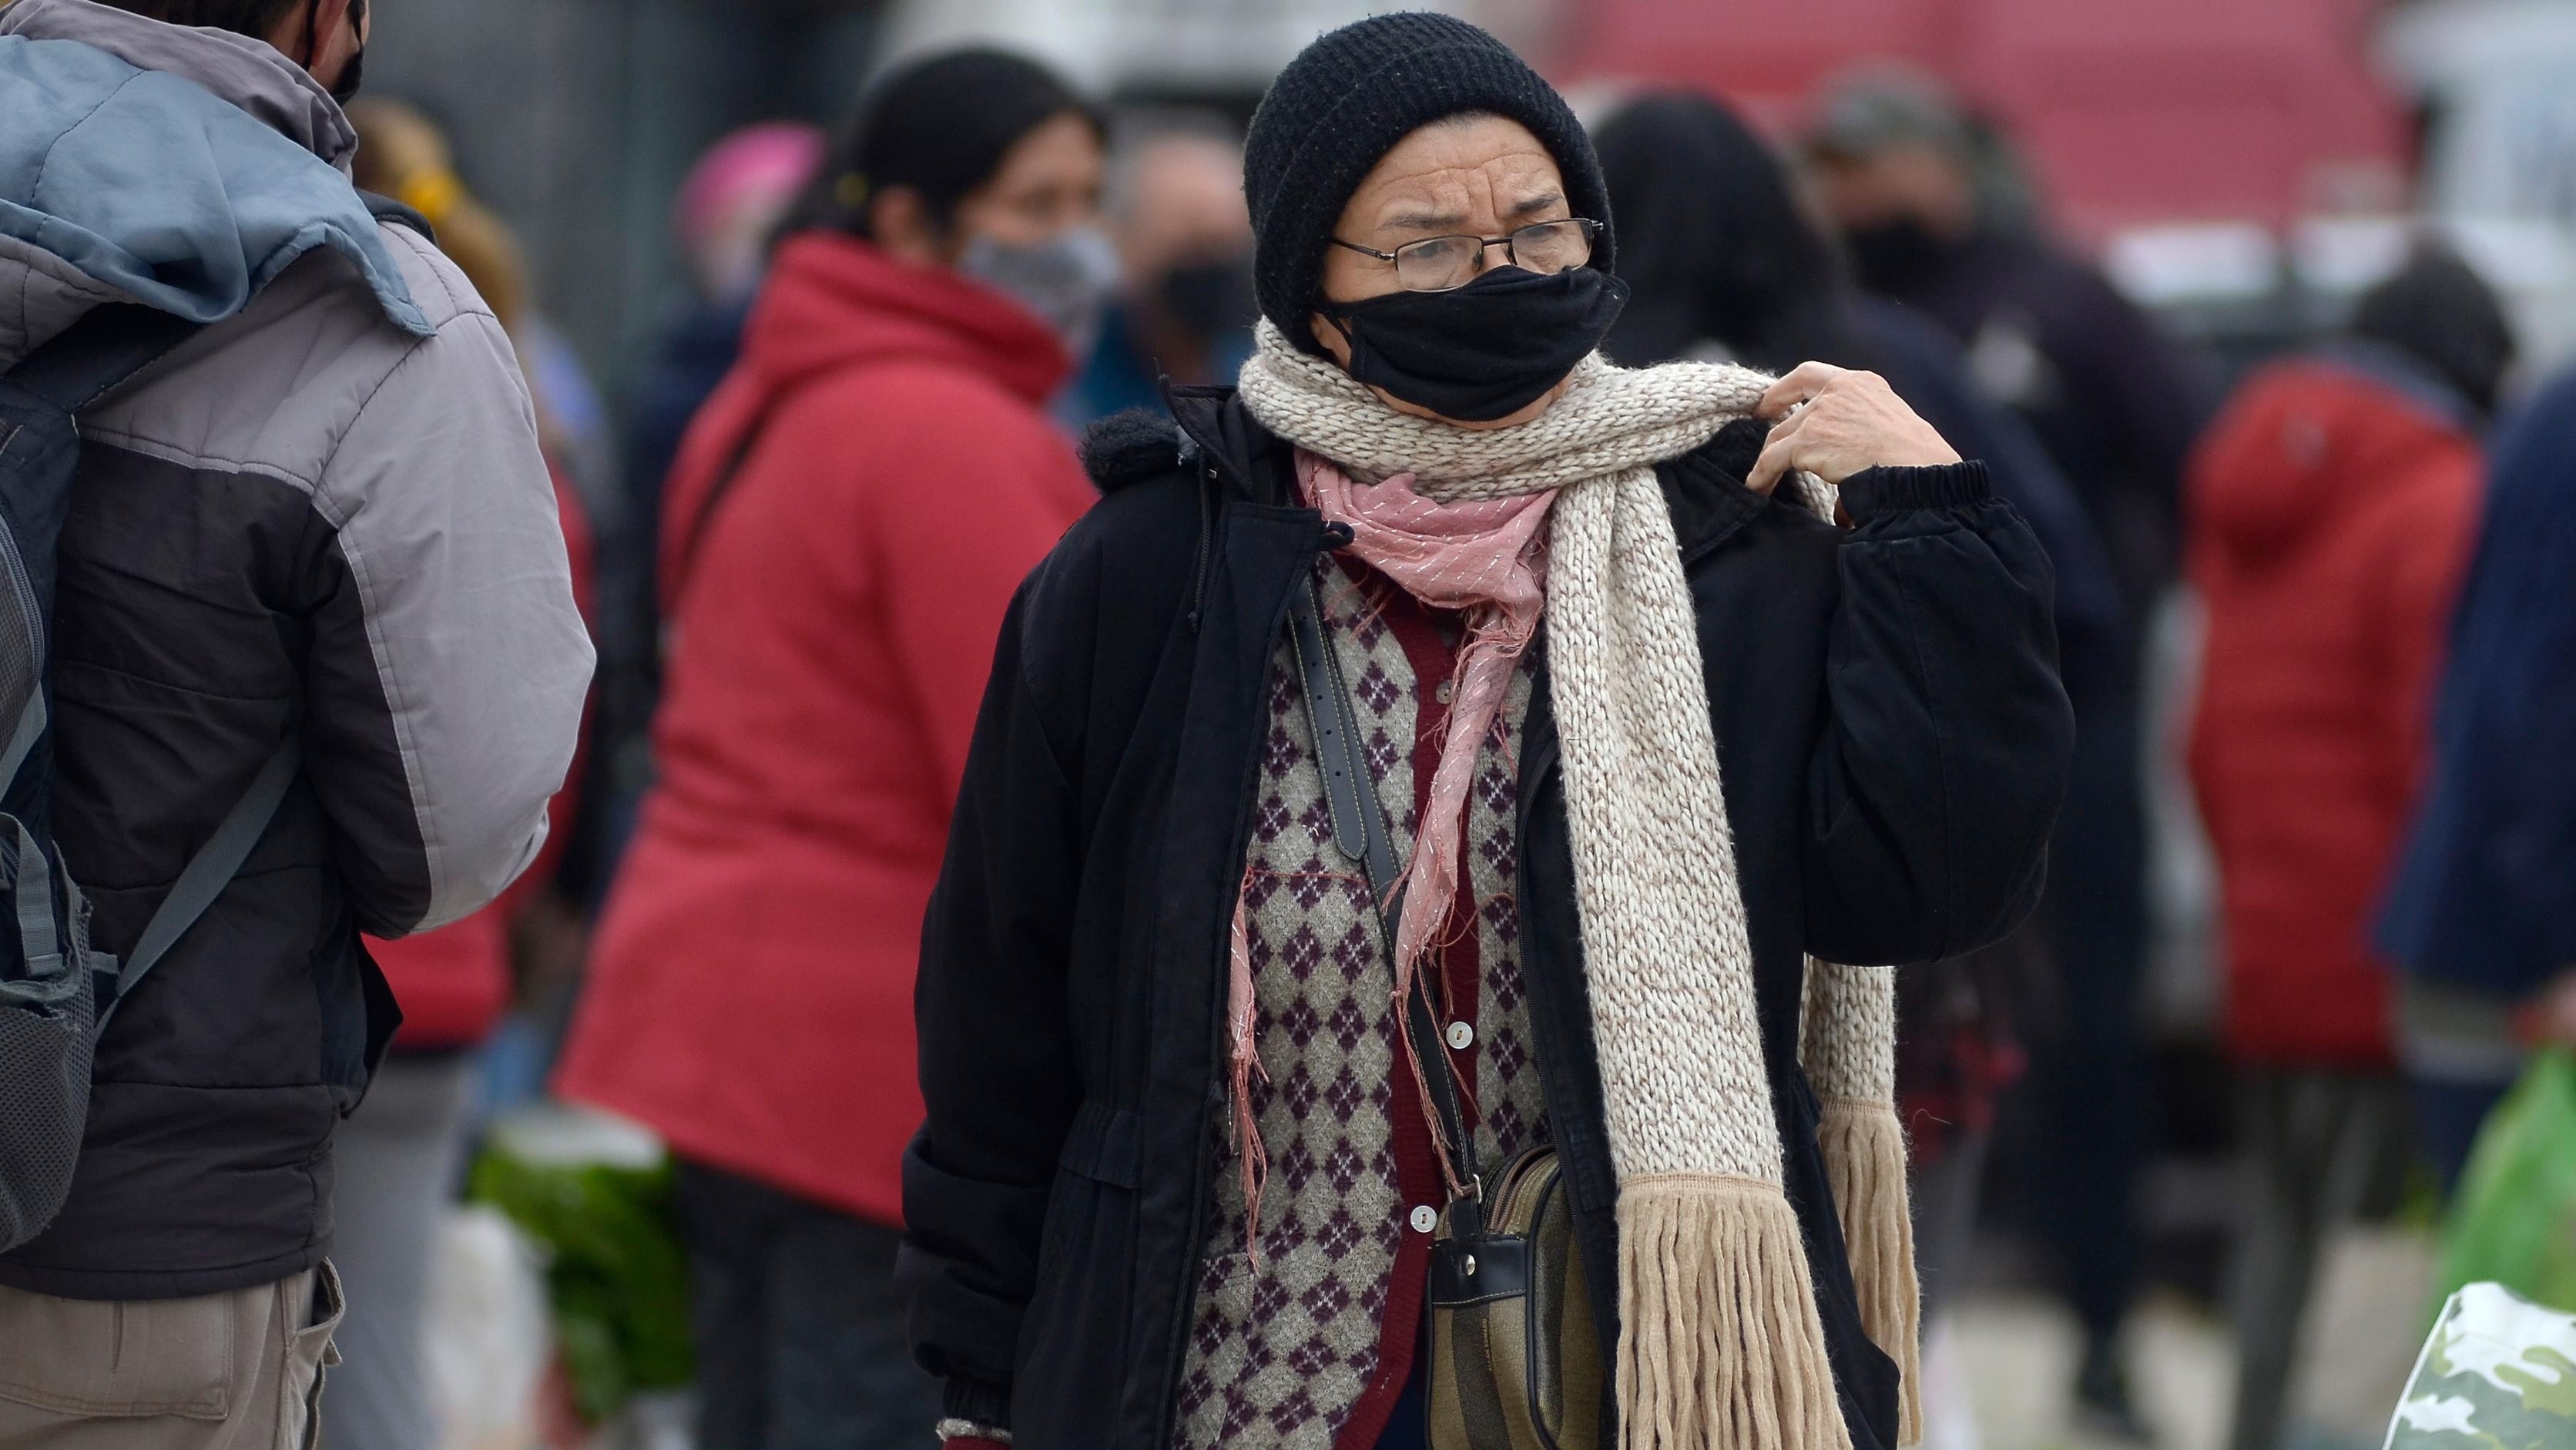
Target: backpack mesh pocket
48, 1026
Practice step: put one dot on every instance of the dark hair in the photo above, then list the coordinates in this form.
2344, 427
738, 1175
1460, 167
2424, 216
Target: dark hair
2441, 312
1716, 247
940, 126
257, 19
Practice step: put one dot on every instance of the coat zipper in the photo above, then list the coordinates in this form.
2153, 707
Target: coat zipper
1203, 1176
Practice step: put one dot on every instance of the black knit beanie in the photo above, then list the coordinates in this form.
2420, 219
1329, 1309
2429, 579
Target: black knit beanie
2439, 309
1345, 101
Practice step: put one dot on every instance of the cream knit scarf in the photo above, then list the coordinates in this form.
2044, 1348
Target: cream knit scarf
1720, 1346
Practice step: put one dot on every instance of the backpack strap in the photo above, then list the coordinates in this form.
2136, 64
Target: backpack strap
209, 871
30, 729
39, 941
111, 343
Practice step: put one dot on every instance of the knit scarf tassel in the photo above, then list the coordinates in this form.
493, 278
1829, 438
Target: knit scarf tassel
1720, 1343
1863, 1143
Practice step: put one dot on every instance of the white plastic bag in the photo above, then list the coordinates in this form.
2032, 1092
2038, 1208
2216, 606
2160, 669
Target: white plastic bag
489, 1340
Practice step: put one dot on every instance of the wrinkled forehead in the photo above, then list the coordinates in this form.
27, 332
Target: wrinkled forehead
1459, 173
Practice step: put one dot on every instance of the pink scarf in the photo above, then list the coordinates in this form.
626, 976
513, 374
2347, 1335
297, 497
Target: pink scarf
1488, 560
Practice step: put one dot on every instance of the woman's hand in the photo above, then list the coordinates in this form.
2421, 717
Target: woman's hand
1852, 421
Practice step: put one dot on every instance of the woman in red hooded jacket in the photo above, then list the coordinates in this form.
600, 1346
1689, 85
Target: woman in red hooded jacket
2331, 509
844, 527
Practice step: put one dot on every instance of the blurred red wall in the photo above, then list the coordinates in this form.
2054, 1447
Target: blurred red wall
2130, 111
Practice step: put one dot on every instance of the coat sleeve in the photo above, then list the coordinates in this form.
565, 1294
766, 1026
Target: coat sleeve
1945, 754
998, 1076
443, 694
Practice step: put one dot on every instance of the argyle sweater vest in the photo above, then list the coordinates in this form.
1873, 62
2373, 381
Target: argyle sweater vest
1309, 1348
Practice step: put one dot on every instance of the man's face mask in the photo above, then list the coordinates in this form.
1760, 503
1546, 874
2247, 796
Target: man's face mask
1895, 255
1067, 280
1207, 299
352, 76
1483, 351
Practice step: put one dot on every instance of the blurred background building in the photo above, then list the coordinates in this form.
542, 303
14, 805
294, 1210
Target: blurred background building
2249, 166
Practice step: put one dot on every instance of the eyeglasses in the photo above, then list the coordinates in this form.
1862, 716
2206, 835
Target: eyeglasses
1444, 264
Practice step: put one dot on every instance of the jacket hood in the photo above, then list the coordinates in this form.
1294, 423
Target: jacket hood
2305, 433
248, 75
176, 167
833, 300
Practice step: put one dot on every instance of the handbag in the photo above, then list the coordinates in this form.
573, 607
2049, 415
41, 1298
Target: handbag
1514, 1356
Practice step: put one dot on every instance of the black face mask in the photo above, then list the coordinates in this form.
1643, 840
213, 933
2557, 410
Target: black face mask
1486, 350
1897, 255
1205, 299
351, 77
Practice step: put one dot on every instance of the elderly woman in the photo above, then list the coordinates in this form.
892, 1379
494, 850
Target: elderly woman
1451, 751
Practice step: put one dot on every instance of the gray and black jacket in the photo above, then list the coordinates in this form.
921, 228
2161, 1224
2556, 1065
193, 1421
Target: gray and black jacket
325, 513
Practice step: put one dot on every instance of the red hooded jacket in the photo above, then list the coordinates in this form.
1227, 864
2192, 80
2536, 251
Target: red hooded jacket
2331, 508
834, 608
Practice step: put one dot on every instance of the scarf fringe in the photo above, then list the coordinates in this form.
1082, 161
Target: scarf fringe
1719, 1342
1864, 1152
1243, 1062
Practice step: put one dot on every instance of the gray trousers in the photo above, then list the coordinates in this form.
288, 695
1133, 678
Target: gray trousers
398, 1159
2323, 1148
236, 1371
801, 1342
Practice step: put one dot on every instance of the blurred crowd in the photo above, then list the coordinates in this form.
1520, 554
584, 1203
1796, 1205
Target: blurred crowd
859, 433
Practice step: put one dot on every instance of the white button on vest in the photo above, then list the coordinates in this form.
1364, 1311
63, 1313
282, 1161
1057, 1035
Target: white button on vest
1425, 1218
1442, 692
1461, 1036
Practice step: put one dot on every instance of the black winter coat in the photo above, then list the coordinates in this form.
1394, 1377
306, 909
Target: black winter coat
1893, 739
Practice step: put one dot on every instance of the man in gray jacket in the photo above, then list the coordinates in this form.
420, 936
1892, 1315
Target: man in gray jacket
324, 514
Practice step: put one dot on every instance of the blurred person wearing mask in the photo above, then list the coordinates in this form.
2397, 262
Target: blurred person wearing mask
1185, 247
2331, 508
1181, 1174
2480, 915
844, 528
400, 1155
1899, 171
1724, 264
319, 524
1903, 174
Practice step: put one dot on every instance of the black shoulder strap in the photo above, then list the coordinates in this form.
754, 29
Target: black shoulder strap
208, 872
704, 518
88, 359
1360, 831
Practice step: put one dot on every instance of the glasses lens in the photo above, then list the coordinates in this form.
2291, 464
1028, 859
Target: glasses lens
1436, 265
1550, 247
